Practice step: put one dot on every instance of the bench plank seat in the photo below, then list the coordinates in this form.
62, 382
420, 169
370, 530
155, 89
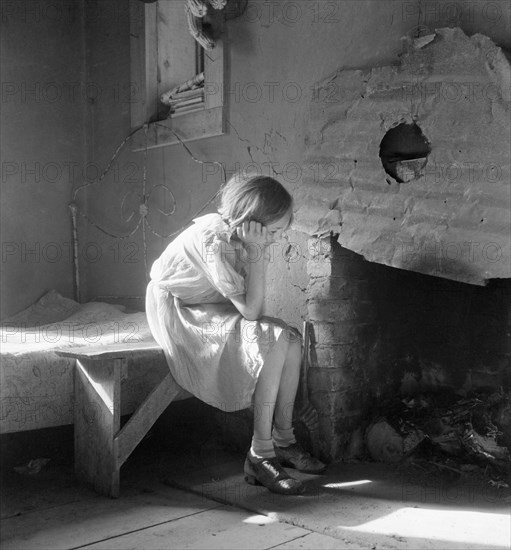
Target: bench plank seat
120, 350
101, 447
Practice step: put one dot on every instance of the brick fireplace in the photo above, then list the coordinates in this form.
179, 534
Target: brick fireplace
408, 205
382, 332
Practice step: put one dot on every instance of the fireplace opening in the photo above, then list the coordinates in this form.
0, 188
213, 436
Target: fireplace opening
421, 358
403, 152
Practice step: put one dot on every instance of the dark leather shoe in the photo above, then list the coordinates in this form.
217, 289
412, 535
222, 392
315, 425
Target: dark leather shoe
296, 457
269, 473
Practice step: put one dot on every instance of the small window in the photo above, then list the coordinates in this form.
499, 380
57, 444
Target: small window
164, 55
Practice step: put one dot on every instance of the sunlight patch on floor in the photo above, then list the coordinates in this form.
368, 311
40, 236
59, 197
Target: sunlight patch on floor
346, 484
443, 524
260, 520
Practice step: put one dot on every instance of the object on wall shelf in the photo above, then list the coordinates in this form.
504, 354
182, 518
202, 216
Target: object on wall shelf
163, 56
186, 97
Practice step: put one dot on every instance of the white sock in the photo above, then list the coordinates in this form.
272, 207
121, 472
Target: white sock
262, 448
283, 438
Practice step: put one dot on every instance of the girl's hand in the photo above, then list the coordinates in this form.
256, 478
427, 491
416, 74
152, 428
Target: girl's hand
253, 233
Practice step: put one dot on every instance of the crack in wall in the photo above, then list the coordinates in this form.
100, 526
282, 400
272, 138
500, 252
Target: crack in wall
413, 207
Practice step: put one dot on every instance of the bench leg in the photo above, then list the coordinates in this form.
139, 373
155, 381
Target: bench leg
144, 417
97, 421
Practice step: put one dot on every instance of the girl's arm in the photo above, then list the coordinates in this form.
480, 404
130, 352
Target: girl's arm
250, 304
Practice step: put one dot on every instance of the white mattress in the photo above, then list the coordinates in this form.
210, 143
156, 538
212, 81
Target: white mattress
36, 386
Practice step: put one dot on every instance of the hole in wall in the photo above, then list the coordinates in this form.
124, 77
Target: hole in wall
403, 152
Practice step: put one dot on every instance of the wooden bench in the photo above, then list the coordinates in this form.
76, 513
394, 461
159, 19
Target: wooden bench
100, 445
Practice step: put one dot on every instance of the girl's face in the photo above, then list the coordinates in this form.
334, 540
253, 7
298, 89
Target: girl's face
277, 228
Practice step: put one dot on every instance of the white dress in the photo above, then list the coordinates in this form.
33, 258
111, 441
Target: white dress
213, 352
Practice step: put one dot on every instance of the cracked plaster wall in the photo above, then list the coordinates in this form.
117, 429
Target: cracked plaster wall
451, 215
274, 66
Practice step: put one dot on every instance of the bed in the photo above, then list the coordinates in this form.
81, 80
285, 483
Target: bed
88, 364
67, 362
36, 384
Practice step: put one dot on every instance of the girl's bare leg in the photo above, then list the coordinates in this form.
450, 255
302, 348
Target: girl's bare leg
288, 451
267, 388
288, 386
274, 396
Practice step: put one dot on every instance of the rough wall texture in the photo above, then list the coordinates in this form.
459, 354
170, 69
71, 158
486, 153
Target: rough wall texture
441, 207
43, 102
346, 334
274, 58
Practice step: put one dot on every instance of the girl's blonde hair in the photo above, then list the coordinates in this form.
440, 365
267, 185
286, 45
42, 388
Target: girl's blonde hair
254, 198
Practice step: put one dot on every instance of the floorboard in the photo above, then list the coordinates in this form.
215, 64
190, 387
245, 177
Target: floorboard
223, 528
97, 519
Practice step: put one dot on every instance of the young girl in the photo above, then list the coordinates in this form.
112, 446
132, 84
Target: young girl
204, 306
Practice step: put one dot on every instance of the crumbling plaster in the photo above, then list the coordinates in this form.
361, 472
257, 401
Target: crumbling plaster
453, 220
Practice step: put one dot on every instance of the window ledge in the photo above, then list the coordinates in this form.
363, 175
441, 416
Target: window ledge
203, 123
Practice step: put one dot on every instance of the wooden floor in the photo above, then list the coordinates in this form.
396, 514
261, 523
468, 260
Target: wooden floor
191, 494
50, 510
145, 517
